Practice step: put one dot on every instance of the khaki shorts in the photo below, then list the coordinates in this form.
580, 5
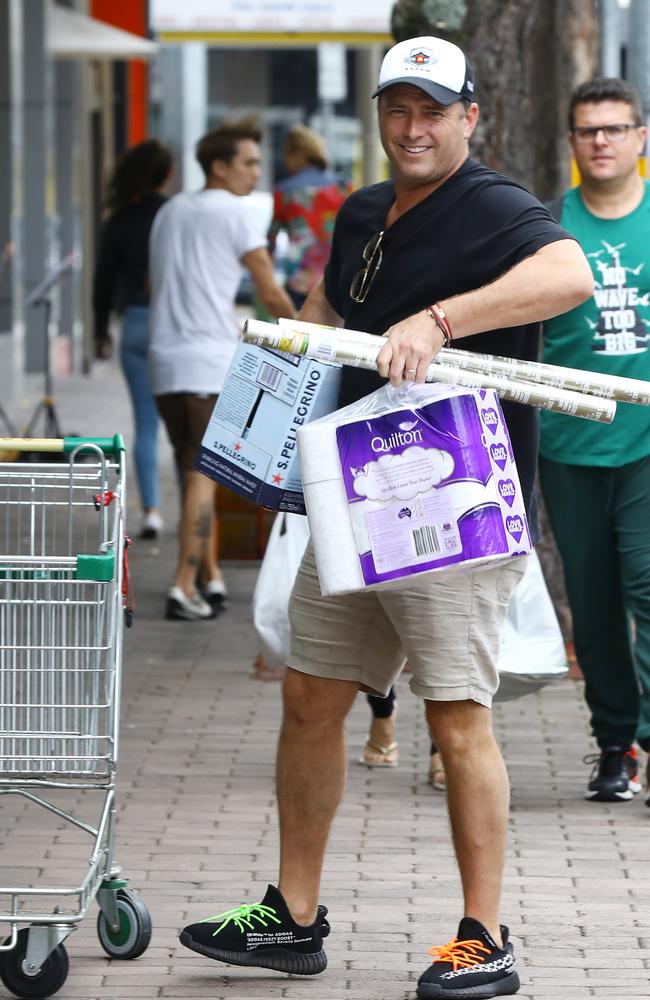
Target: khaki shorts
448, 626
186, 416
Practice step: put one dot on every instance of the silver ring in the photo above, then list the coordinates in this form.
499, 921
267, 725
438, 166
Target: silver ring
410, 371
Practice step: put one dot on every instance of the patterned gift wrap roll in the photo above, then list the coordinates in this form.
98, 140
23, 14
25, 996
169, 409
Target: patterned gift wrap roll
410, 481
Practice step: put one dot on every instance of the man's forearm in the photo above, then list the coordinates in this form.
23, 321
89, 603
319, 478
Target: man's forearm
316, 308
555, 279
276, 301
274, 298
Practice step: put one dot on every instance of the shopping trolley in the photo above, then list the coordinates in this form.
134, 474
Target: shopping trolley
63, 598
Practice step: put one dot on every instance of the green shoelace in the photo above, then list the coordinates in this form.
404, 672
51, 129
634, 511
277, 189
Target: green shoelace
242, 917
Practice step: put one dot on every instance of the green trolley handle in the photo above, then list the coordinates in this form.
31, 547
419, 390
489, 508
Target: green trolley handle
109, 445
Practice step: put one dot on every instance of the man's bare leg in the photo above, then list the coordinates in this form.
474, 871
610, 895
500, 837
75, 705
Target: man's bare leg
309, 791
478, 799
197, 517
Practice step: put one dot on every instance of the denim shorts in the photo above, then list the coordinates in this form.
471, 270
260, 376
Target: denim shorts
447, 624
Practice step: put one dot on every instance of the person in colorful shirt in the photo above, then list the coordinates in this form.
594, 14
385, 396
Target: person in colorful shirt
596, 478
305, 205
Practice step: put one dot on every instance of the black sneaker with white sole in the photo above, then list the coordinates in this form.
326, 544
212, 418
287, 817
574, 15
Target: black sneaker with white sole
263, 935
471, 966
615, 777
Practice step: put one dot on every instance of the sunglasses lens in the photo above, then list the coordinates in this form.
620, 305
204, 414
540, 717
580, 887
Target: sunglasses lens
357, 289
362, 280
371, 247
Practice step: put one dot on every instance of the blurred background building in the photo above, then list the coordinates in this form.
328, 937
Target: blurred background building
80, 80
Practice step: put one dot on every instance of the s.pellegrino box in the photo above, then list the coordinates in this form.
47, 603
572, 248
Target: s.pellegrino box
250, 442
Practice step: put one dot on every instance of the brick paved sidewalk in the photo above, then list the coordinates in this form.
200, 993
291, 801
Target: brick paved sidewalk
197, 832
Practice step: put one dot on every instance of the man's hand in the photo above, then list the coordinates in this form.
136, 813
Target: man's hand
411, 346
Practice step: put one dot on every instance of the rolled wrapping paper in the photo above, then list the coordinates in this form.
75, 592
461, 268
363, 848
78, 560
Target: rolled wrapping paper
409, 482
624, 390
360, 350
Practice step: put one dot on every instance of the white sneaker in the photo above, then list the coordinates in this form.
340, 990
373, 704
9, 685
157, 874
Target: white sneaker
180, 607
152, 525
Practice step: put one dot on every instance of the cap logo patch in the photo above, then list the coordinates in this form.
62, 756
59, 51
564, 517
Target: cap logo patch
420, 57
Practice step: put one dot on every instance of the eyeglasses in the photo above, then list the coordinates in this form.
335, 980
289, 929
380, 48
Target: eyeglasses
613, 133
363, 279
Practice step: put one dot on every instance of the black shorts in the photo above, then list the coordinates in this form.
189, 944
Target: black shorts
186, 416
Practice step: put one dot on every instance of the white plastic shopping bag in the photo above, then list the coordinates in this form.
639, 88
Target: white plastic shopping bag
532, 650
284, 551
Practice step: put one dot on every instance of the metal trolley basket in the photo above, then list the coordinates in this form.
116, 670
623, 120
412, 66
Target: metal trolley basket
62, 607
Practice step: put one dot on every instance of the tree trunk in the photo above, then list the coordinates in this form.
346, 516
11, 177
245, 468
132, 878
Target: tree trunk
528, 56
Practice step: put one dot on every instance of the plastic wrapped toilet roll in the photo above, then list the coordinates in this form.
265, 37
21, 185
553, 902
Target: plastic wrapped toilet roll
410, 481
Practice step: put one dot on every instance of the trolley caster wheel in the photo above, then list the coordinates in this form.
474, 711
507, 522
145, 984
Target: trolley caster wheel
52, 975
134, 933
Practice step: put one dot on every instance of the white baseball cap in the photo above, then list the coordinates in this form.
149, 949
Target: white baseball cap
434, 65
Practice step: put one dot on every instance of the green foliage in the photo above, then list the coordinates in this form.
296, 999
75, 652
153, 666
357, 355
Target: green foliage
411, 18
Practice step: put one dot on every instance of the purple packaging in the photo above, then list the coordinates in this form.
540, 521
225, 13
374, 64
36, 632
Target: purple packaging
431, 486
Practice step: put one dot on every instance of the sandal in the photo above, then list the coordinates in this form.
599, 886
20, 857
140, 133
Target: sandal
388, 755
437, 776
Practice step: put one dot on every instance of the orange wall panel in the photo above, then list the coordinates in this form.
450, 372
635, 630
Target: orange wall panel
130, 15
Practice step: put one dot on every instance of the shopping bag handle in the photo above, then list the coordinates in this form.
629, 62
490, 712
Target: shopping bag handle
109, 445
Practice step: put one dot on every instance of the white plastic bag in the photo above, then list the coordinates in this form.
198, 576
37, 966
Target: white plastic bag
532, 650
284, 551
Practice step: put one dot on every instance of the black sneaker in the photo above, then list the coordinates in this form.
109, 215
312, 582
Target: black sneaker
471, 966
263, 935
615, 777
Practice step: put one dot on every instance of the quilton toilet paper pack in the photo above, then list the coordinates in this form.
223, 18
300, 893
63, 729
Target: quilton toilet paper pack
410, 482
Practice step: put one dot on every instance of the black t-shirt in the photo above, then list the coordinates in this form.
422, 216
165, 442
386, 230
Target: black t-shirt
464, 235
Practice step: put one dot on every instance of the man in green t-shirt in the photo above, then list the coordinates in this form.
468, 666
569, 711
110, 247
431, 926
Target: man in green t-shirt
596, 478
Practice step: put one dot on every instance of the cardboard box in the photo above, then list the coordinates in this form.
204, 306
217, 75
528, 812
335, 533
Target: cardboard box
250, 443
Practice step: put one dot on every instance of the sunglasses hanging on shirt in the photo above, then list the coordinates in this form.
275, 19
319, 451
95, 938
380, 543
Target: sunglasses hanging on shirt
372, 255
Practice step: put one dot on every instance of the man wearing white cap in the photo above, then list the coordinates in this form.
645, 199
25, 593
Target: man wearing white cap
444, 251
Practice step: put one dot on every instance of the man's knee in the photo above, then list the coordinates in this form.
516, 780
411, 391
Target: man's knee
314, 701
456, 725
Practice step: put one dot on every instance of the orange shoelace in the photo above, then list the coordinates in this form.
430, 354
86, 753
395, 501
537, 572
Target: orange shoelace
461, 954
